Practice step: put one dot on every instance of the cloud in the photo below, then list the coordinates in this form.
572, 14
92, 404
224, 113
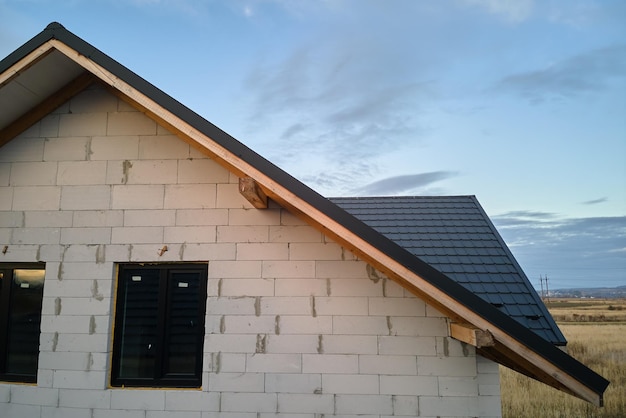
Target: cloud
589, 72
596, 201
574, 252
402, 184
514, 11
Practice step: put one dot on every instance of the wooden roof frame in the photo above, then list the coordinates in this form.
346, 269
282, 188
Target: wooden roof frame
476, 321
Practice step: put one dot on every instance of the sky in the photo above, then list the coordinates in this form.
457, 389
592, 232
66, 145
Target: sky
521, 102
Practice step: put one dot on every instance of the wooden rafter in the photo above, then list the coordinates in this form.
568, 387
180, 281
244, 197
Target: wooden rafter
50, 103
253, 193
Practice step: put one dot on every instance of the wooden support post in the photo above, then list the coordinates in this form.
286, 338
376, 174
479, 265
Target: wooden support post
252, 192
471, 335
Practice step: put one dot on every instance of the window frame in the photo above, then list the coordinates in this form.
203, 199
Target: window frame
6, 309
164, 325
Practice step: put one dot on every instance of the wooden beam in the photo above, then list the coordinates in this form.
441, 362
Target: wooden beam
471, 335
50, 103
253, 193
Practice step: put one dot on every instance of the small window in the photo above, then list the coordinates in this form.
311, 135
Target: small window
159, 325
21, 293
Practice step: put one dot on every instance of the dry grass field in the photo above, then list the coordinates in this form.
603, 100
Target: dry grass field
596, 333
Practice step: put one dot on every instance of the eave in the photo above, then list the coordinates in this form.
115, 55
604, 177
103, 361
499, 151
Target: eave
513, 345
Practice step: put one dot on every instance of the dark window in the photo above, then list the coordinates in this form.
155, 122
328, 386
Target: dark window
159, 325
21, 293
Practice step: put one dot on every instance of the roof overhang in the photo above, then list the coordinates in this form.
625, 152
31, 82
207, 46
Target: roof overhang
51, 67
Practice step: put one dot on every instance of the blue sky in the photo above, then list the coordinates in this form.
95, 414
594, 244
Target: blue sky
521, 103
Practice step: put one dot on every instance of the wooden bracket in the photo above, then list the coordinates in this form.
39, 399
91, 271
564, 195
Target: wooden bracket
251, 190
471, 335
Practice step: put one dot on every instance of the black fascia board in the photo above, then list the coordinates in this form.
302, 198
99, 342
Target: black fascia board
456, 291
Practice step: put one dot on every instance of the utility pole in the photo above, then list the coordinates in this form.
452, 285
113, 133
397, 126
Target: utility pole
541, 284
547, 289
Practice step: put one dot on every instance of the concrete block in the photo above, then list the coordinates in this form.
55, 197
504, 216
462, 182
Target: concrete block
93, 100
288, 218
274, 363
188, 217
64, 360
228, 362
163, 147
409, 385
248, 402
353, 287
344, 270
151, 172
33, 173
294, 233
173, 414
357, 384
288, 269
291, 344
249, 324
6, 198
330, 363
109, 413
305, 403
458, 386
81, 173
67, 148
83, 124
360, 325
348, 344
405, 405
36, 236
129, 123
449, 347
119, 148
137, 197
98, 218
49, 125
86, 235
32, 395
73, 379
238, 234
85, 197
262, 251
228, 196
237, 270
5, 174
245, 287
137, 235
301, 287
418, 327
364, 404
253, 217
36, 198
138, 399
343, 306
85, 398
149, 218
23, 148
201, 171
317, 251
62, 412
86, 271
230, 306
189, 196
236, 382
448, 406
446, 366
415, 346
190, 234
306, 325
41, 219
89, 343
190, 400
293, 383
13, 410
397, 306
286, 306
489, 406
388, 365
230, 343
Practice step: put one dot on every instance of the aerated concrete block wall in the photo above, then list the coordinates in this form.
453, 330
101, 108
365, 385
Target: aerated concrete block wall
296, 325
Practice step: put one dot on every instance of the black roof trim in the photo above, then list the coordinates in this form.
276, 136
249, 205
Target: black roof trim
428, 273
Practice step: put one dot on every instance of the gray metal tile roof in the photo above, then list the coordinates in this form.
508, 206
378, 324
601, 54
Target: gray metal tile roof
454, 235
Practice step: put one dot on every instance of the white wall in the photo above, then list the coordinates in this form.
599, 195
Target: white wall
296, 326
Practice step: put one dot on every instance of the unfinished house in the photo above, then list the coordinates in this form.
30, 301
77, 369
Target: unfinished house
153, 266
